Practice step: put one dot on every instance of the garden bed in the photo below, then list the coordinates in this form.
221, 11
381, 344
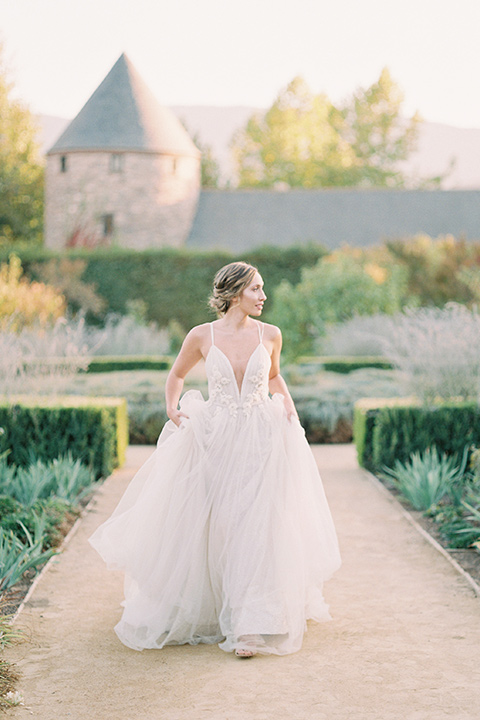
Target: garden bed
13, 598
39, 505
467, 558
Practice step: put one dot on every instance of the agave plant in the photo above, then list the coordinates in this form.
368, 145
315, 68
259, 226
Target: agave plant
16, 558
63, 477
471, 525
70, 478
27, 485
427, 477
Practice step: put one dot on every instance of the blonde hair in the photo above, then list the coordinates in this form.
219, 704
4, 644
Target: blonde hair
229, 283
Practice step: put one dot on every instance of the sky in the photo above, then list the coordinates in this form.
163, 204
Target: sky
243, 52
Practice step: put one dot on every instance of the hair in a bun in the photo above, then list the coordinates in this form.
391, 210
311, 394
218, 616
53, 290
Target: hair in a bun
228, 283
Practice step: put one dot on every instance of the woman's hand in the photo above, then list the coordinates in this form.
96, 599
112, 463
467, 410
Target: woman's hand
290, 408
176, 416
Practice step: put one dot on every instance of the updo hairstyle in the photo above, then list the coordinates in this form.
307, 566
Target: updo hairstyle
229, 282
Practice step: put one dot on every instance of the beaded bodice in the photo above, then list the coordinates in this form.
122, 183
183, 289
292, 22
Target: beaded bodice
223, 389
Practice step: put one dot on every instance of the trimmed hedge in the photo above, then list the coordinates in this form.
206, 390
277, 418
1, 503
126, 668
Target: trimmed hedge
94, 430
389, 430
174, 284
129, 362
344, 365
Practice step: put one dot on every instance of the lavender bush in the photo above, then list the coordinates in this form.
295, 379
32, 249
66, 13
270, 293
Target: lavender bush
127, 335
43, 359
361, 335
437, 351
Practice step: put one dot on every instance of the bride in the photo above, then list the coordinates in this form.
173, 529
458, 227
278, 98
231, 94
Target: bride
224, 534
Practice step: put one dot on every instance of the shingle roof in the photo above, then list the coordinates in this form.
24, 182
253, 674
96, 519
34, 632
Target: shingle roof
123, 114
243, 219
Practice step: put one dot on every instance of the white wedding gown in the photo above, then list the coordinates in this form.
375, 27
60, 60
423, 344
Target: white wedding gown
225, 532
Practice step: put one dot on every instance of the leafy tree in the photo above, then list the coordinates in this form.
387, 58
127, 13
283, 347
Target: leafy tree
24, 303
378, 134
438, 270
340, 286
209, 167
295, 142
65, 275
303, 140
21, 171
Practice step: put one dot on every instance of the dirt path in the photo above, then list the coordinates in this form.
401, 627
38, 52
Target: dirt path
404, 643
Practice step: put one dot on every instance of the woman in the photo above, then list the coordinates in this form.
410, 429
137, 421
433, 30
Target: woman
225, 534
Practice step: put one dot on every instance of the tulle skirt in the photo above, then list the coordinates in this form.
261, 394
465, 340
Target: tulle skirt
224, 534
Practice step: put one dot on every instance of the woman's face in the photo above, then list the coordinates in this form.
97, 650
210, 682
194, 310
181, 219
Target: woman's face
252, 298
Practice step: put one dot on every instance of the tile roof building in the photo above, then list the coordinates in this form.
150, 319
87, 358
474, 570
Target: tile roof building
242, 219
124, 172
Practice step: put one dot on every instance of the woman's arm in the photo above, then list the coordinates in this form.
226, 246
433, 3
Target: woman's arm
187, 358
276, 383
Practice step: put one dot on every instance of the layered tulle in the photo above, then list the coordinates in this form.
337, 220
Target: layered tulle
224, 534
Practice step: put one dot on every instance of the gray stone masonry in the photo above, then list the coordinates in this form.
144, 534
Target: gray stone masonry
130, 199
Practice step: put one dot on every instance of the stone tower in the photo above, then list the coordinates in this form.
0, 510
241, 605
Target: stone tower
125, 172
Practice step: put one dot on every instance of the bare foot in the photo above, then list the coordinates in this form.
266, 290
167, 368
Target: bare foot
244, 653
248, 646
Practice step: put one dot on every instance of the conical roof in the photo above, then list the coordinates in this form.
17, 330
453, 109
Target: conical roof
123, 114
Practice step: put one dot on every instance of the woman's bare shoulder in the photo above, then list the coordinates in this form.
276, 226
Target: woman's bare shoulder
198, 334
200, 330
271, 332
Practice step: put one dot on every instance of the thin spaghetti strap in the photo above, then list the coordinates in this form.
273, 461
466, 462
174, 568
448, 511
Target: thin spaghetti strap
211, 331
260, 330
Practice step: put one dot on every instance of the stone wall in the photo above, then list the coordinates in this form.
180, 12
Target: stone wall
135, 199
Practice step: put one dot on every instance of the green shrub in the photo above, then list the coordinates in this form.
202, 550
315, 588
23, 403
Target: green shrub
129, 362
146, 422
363, 424
399, 431
392, 429
94, 430
174, 284
338, 288
345, 365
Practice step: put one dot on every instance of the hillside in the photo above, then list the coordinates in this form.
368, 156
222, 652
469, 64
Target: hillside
441, 148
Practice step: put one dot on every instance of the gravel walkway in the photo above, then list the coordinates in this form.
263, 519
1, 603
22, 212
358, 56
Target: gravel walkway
404, 643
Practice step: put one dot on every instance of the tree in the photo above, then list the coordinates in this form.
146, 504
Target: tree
379, 136
347, 283
209, 167
440, 270
21, 171
295, 142
303, 140
24, 303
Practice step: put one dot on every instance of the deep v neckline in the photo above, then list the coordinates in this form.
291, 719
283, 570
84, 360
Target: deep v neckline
239, 389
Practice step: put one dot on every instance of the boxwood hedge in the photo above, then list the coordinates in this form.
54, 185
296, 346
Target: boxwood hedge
94, 430
389, 430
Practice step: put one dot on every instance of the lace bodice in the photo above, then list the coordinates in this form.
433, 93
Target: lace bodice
222, 385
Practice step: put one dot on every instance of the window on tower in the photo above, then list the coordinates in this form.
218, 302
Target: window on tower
116, 163
107, 221
63, 163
